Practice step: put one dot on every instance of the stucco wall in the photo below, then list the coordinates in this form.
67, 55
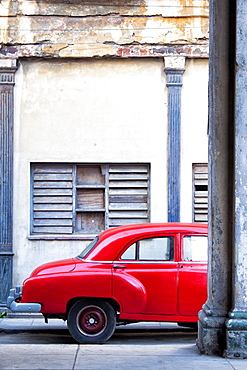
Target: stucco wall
85, 111
194, 122
100, 111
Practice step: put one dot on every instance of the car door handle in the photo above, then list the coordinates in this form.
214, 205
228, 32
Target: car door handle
119, 266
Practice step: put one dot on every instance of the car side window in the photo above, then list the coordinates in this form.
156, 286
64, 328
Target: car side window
151, 249
195, 248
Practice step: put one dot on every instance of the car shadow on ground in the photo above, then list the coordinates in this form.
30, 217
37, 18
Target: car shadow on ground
129, 334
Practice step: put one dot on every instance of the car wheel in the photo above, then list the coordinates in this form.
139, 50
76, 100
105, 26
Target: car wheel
91, 321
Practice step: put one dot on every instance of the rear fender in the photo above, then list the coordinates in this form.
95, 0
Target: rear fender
54, 292
129, 292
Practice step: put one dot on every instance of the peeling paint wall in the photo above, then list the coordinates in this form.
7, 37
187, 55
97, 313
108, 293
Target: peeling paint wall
106, 28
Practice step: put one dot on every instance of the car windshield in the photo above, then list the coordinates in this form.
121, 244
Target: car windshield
88, 248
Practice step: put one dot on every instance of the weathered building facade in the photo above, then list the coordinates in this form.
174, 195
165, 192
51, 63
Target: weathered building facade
103, 122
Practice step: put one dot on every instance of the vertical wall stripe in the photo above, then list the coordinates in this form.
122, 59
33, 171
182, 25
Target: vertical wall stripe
174, 84
6, 179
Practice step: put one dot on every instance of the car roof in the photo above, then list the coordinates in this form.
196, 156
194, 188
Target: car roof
112, 240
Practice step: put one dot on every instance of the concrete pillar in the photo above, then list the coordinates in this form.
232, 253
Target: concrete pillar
211, 326
174, 68
7, 72
236, 325
223, 319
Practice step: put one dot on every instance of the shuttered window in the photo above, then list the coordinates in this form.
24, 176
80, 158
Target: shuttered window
128, 195
200, 192
86, 199
52, 199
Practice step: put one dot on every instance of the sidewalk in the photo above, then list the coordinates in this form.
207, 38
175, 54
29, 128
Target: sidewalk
29, 343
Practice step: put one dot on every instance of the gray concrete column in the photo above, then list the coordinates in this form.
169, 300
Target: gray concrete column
236, 333
211, 326
223, 319
174, 68
7, 72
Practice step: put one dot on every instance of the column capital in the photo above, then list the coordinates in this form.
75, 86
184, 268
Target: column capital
7, 71
174, 69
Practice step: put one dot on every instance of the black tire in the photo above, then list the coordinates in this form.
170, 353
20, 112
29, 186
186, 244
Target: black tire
91, 321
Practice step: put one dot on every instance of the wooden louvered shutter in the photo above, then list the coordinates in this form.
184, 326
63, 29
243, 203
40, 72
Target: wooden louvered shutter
128, 189
52, 198
90, 199
200, 182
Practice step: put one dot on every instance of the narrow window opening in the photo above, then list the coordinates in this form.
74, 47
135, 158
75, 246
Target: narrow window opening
200, 192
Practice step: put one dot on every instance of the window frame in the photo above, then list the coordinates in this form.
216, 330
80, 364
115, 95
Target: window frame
137, 246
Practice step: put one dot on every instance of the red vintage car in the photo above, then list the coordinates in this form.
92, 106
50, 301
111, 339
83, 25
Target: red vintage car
145, 272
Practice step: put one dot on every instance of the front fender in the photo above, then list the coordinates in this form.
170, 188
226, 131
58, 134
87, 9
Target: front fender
129, 292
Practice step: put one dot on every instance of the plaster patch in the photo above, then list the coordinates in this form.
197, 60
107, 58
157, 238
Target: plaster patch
174, 62
28, 7
25, 24
4, 8
117, 34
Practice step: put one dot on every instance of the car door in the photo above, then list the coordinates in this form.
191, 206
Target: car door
192, 291
149, 262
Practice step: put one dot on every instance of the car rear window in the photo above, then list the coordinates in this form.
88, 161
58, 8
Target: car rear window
88, 248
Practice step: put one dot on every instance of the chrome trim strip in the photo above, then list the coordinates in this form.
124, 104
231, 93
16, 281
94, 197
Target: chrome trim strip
132, 262
146, 262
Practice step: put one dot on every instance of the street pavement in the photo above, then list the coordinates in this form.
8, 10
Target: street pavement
30, 344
